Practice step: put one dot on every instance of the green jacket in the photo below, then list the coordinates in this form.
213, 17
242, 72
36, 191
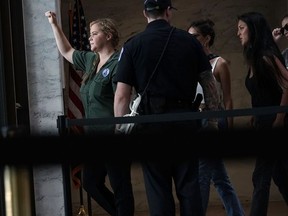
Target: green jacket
97, 92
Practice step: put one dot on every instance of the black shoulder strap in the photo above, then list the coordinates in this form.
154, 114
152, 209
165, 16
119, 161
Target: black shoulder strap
150, 78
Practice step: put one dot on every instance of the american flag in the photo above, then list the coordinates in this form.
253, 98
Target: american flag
78, 38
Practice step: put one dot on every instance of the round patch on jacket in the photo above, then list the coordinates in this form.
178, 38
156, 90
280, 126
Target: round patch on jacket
105, 72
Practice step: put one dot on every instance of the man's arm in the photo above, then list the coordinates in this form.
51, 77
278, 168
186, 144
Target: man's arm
280, 117
208, 84
122, 99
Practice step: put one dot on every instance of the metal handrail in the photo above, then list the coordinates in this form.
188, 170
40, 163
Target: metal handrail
64, 123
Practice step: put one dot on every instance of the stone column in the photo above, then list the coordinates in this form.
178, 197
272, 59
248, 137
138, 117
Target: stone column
44, 68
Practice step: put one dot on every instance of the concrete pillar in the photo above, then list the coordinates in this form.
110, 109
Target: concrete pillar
44, 68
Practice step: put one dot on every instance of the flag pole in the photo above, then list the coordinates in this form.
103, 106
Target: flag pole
75, 107
74, 129
81, 211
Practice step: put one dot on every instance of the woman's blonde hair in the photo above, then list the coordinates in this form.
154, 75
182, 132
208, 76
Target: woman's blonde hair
108, 26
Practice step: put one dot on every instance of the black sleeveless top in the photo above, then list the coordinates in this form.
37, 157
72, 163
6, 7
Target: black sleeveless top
266, 93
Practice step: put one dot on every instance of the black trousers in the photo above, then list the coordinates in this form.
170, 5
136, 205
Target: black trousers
94, 183
266, 169
280, 177
159, 177
119, 172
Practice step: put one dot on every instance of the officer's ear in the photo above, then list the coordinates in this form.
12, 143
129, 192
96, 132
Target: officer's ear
144, 13
168, 12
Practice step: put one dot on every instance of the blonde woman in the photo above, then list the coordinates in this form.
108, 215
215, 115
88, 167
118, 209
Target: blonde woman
97, 94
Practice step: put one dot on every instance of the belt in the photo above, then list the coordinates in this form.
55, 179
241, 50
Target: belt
178, 103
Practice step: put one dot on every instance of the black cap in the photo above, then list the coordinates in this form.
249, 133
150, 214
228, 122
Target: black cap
150, 5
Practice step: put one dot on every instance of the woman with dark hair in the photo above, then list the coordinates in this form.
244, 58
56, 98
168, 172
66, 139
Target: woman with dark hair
204, 31
280, 174
213, 169
267, 82
267, 78
282, 32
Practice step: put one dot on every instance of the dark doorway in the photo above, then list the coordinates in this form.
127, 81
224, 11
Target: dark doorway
14, 109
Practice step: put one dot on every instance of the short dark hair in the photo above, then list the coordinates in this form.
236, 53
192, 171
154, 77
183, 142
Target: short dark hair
205, 27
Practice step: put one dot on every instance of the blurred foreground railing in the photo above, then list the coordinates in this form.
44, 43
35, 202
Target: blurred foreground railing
64, 123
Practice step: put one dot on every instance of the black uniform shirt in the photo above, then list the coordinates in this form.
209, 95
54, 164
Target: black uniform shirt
177, 74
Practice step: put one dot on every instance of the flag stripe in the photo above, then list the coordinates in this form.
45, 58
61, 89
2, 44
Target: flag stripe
76, 76
76, 103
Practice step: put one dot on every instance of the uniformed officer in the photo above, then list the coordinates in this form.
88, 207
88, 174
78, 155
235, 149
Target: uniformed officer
171, 89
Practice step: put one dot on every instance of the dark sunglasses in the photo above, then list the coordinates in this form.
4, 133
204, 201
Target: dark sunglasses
283, 29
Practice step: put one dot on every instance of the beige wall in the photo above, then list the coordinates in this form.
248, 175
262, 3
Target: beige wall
224, 13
